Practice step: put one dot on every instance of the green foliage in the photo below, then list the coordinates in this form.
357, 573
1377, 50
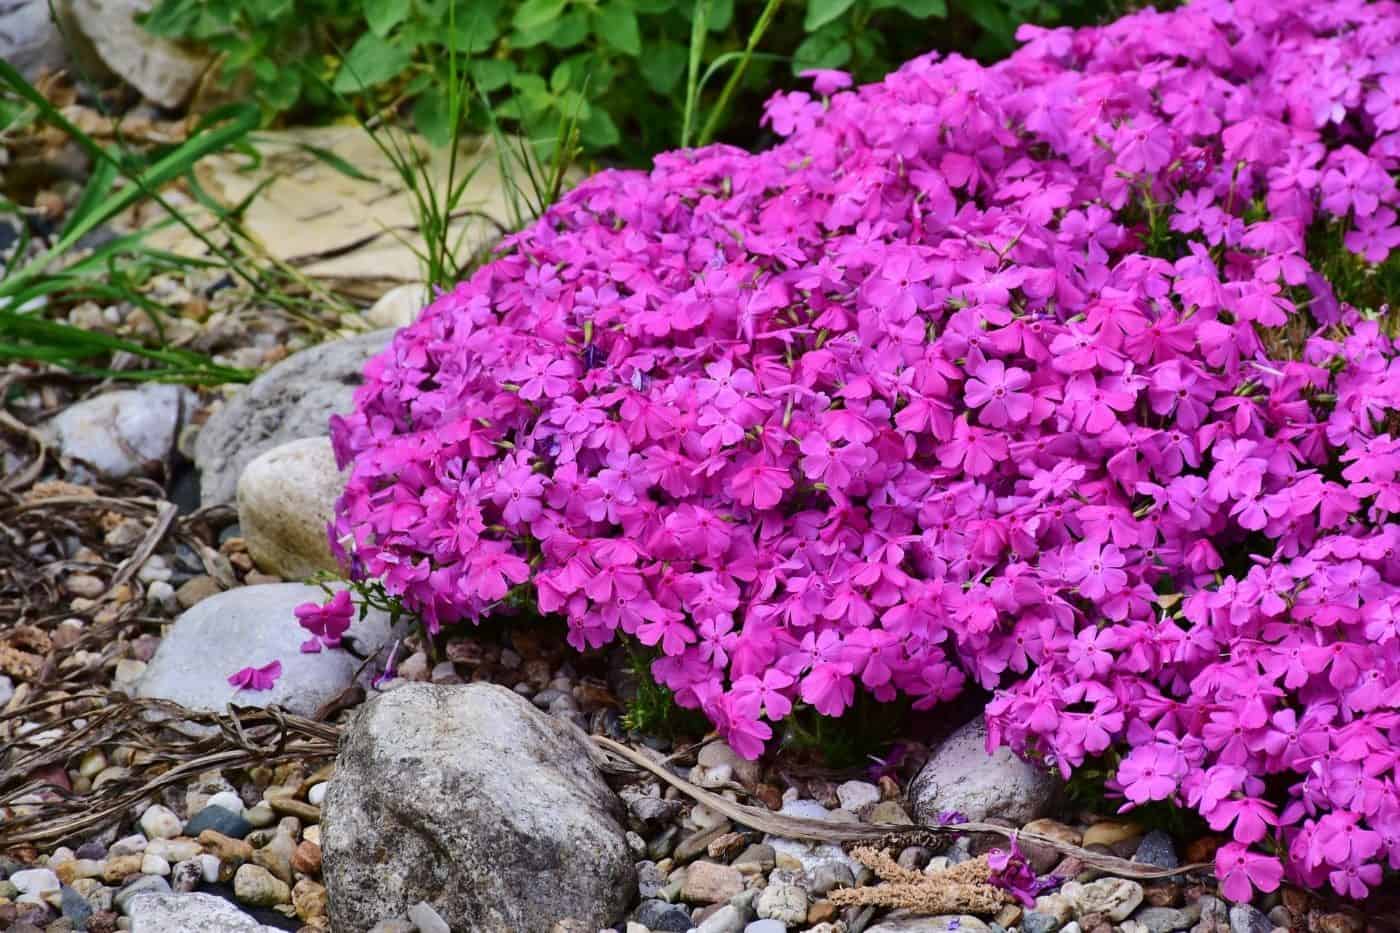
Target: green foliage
654, 711
618, 69
859, 737
68, 271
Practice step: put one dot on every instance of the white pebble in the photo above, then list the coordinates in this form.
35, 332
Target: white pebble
35, 881
856, 794
152, 864
160, 822
60, 855
228, 800
316, 794
209, 864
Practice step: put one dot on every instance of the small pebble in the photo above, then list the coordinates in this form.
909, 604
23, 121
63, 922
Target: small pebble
160, 822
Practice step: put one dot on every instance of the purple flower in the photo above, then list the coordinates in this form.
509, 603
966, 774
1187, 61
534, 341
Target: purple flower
256, 678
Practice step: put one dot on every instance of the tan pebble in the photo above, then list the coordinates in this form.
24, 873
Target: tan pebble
120, 867
312, 833
256, 886
228, 849
297, 808
1110, 832
309, 899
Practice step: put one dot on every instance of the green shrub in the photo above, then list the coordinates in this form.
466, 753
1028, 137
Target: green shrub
618, 68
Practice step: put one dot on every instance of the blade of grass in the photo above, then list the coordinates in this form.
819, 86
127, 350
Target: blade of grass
699, 27
765, 19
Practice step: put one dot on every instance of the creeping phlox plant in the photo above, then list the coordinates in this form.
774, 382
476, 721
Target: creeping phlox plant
1042, 376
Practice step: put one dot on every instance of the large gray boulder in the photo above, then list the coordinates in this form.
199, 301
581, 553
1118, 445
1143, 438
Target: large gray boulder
182, 913
469, 798
124, 432
249, 627
962, 777
293, 400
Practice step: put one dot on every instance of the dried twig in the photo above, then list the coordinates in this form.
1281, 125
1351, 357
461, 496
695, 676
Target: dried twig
792, 827
173, 744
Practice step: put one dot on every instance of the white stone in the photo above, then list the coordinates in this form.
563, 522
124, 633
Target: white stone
1115, 898
961, 776
399, 306
209, 864
35, 881
286, 498
121, 433
152, 864
185, 913
227, 799
316, 793
785, 902
857, 794
160, 822
249, 627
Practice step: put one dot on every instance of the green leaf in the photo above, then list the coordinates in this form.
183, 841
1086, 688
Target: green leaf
721, 15
598, 130
616, 25
371, 61
821, 50
534, 14
821, 12
432, 115
570, 30
663, 65
919, 9
492, 74
383, 15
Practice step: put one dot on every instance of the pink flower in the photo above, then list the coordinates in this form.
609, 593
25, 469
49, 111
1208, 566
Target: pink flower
256, 678
1242, 871
327, 622
995, 390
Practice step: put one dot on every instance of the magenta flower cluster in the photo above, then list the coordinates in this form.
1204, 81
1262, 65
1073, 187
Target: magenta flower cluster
1028, 375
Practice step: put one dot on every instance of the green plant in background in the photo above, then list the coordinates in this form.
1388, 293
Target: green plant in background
68, 270
621, 71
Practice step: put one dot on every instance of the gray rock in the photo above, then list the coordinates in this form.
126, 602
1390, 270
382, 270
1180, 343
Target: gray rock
29, 38
661, 917
470, 799
286, 498
903, 922
122, 433
785, 902
426, 919
961, 776
222, 821
75, 907
727, 919
766, 926
164, 71
829, 875
1247, 919
1036, 922
1164, 919
181, 913
293, 400
1157, 849
399, 306
249, 627
145, 884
